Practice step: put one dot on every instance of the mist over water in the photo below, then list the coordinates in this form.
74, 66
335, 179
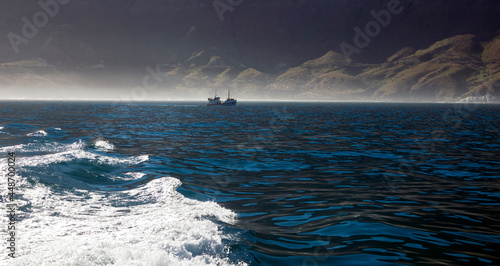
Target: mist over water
133, 91
259, 183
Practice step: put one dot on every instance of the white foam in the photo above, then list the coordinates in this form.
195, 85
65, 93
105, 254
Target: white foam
104, 145
55, 153
150, 225
67, 153
39, 133
132, 176
79, 155
45, 147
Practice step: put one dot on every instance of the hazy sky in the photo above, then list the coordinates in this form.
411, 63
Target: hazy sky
79, 47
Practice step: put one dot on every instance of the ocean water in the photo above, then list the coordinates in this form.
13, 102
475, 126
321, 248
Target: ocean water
257, 184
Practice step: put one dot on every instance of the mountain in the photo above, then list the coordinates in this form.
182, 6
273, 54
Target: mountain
447, 70
294, 49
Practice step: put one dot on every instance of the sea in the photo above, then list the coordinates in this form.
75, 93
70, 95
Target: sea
273, 183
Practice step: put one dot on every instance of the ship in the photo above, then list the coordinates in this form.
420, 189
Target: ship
217, 101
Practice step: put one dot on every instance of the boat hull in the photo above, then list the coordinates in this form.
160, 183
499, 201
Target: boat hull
216, 101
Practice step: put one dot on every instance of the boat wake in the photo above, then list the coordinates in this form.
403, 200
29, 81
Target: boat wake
63, 219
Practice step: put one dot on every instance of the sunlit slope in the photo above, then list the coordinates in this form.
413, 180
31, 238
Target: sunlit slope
439, 72
448, 70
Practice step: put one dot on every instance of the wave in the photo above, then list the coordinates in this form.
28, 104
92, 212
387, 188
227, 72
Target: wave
60, 153
39, 133
47, 147
149, 225
78, 155
104, 145
65, 223
19, 129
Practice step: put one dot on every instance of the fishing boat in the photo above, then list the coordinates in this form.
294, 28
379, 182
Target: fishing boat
214, 101
229, 100
217, 101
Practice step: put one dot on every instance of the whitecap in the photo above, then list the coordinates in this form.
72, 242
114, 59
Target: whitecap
104, 145
131, 176
45, 147
39, 133
78, 154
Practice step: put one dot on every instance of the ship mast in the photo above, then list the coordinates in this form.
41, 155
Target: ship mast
228, 94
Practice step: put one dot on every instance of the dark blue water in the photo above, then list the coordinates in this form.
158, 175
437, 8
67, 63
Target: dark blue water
257, 184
